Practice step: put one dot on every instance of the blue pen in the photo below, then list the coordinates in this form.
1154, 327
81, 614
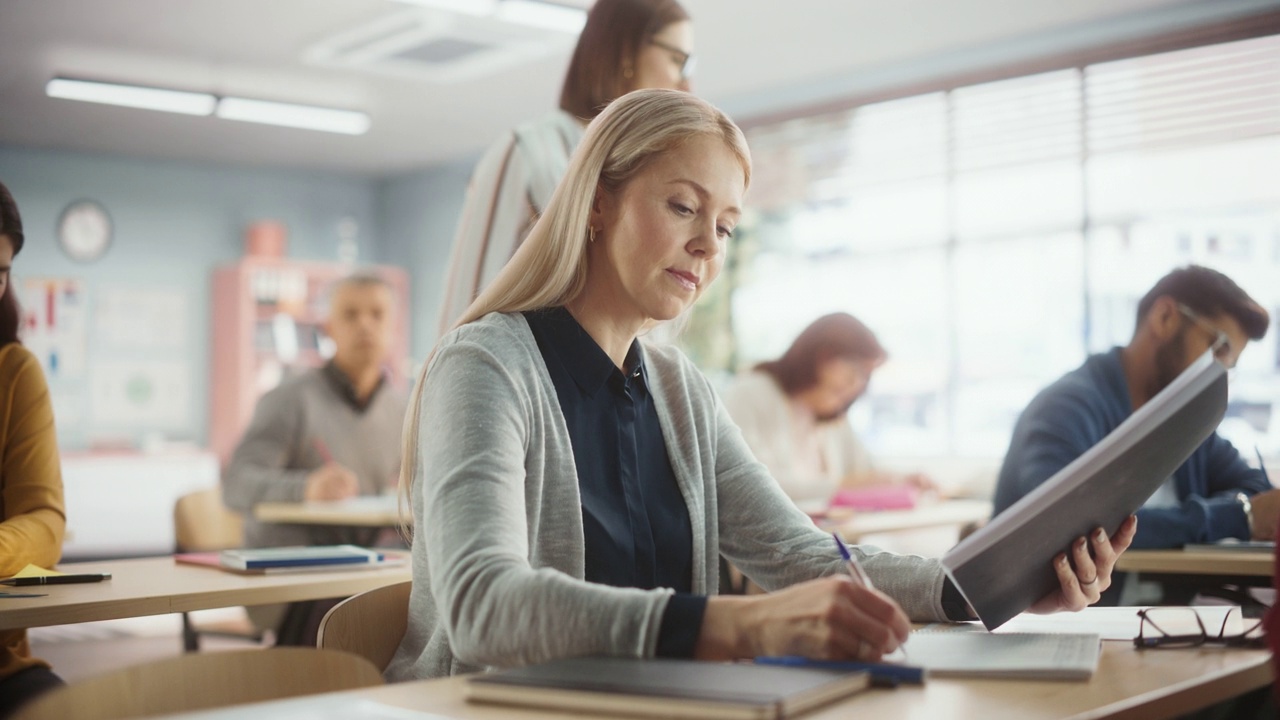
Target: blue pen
1261, 465
855, 568
881, 673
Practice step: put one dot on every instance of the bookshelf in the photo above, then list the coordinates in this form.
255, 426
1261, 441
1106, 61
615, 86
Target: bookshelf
268, 325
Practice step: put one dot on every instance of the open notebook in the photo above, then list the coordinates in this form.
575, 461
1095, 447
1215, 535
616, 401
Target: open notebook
953, 652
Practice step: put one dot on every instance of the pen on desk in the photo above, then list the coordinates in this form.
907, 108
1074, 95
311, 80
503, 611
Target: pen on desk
56, 579
855, 568
881, 673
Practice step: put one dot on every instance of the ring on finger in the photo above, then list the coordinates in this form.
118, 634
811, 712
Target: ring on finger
1090, 583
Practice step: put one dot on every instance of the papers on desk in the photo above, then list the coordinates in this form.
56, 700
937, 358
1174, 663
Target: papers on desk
1118, 623
952, 652
35, 571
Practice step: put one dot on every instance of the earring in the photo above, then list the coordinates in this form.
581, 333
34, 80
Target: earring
591, 233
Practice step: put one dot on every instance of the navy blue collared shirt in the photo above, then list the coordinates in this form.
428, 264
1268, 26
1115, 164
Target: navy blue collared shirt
634, 518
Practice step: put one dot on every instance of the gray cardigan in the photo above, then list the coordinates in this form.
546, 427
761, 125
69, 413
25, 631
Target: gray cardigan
498, 548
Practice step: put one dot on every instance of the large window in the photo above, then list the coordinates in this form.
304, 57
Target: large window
993, 235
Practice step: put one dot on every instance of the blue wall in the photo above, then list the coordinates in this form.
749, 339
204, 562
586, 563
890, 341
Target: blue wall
174, 223
417, 216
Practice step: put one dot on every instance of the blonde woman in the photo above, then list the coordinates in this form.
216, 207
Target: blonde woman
572, 487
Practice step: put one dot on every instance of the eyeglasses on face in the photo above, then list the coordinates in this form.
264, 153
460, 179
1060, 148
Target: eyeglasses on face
1221, 346
688, 61
1182, 627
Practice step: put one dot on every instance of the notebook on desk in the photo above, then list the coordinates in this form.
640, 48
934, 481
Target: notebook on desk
666, 688
955, 652
1232, 545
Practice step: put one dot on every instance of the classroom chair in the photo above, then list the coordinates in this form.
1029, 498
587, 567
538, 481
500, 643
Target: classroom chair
200, 681
370, 624
201, 523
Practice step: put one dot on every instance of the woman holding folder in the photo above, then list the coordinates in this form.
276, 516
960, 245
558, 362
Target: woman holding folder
573, 486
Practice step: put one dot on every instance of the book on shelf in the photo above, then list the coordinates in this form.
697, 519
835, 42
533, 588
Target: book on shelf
666, 688
1006, 566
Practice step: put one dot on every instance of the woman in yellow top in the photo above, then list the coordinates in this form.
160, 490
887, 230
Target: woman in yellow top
31, 511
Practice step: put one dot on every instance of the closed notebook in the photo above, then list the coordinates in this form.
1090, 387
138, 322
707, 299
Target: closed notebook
312, 556
666, 688
214, 560
956, 652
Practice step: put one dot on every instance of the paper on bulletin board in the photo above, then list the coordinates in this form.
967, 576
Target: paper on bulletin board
54, 326
140, 319
141, 393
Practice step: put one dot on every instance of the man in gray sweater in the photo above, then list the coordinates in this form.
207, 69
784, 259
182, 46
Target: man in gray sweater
329, 434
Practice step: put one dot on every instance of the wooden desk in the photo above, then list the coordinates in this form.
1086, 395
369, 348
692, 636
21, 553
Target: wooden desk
947, 512
156, 586
1198, 562
1128, 684
372, 511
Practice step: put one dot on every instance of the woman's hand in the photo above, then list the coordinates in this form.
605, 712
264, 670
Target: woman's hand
1083, 578
832, 618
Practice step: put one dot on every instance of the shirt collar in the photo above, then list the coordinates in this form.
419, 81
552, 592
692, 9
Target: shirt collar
584, 360
346, 390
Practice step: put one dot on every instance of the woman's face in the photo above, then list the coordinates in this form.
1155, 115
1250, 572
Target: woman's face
661, 62
6, 263
661, 237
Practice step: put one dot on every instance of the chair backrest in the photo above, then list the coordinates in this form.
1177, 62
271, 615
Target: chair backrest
198, 681
370, 624
202, 523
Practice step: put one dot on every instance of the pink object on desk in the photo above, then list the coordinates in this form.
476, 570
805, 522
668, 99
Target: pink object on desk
879, 497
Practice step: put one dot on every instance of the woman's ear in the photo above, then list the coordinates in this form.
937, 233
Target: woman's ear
601, 205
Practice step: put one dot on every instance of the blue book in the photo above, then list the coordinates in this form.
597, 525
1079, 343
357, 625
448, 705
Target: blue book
286, 557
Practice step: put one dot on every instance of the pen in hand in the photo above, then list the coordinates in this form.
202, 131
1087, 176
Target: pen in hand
1261, 465
855, 568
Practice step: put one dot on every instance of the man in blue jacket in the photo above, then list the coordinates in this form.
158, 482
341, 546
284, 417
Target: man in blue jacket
1214, 494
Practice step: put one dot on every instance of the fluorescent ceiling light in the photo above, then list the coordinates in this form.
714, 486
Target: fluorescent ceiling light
134, 96
308, 117
479, 8
550, 16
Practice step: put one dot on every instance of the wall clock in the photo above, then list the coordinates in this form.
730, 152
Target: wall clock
84, 230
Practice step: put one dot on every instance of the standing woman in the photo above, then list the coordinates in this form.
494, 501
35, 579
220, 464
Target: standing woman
573, 487
625, 45
31, 512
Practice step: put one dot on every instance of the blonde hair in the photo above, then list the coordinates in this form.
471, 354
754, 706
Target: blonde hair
550, 267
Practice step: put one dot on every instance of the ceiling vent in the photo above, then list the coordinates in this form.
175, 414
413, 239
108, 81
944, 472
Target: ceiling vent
436, 46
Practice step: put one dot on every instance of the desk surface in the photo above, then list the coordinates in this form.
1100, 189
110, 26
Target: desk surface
1128, 684
947, 512
384, 511
156, 586
371, 511
1198, 562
